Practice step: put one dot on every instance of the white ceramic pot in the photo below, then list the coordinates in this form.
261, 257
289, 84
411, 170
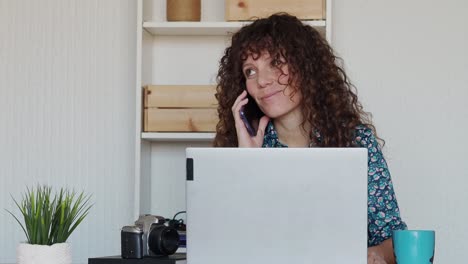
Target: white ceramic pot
40, 254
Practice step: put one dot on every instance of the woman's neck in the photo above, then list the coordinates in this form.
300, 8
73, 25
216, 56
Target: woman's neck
291, 132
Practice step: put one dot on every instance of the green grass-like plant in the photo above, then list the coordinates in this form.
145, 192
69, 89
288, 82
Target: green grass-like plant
51, 218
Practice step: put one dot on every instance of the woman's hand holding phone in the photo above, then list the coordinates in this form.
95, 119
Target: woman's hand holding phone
245, 138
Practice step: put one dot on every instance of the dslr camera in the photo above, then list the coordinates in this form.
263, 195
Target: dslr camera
150, 236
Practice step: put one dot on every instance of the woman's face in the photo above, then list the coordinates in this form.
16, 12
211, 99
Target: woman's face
268, 85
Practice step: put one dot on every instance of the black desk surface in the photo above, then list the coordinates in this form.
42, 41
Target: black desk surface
172, 259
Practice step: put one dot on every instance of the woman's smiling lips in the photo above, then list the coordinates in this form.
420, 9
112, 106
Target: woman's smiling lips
270, 95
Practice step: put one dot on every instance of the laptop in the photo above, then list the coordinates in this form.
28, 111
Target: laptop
276, 205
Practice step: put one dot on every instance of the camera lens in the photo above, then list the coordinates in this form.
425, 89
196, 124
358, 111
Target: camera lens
163, 240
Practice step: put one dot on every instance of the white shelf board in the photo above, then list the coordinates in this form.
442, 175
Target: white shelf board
180, 136
204, 28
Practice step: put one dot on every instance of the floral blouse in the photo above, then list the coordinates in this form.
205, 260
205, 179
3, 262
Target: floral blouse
383, 214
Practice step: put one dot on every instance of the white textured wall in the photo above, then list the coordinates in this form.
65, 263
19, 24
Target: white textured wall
67, 108
409, 61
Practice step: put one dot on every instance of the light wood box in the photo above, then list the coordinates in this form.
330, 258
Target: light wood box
179, 108
241, 10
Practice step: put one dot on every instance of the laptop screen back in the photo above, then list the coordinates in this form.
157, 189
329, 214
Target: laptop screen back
283, 205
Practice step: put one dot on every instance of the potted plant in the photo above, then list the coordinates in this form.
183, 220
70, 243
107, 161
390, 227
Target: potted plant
49, 219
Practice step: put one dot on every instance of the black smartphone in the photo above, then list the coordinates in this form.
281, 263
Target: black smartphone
247, 124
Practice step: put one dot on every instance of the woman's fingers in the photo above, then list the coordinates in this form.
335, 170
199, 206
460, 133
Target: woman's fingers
235, 107
243, 137
238, 104
374, 258
262, 126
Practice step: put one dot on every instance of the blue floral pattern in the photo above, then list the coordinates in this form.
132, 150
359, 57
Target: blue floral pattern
383, 214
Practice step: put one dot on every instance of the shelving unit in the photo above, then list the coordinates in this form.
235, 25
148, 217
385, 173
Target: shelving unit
180, 53
204, 28
162, 136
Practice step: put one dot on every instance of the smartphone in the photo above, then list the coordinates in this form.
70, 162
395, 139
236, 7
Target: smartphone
247, 124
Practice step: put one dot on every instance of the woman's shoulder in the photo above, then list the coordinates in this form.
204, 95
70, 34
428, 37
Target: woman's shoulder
364, 136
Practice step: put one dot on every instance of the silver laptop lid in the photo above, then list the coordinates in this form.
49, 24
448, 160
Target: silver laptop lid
289, 205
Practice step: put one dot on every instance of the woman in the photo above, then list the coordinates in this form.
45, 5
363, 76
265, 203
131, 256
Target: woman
285, 78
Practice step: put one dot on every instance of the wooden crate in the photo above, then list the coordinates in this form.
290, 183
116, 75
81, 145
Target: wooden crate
241, 10
179, 108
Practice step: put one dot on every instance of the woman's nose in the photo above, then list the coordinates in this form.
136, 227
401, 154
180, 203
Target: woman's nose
265, 78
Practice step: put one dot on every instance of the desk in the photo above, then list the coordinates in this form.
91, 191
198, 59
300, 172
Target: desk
178, 258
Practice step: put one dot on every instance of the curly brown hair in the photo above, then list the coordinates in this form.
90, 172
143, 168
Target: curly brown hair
329, 101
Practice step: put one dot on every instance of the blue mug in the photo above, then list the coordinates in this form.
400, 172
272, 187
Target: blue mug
414, 246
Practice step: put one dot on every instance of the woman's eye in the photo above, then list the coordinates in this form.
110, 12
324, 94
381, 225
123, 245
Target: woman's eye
276, 62
249, 72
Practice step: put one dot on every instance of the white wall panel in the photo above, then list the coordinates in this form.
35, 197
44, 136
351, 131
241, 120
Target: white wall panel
67, 108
